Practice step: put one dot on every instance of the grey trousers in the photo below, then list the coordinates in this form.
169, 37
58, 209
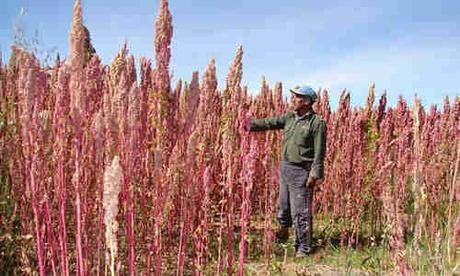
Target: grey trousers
295, 204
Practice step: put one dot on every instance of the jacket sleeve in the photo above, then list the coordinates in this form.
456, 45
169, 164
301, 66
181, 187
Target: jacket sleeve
268, 123
319, 145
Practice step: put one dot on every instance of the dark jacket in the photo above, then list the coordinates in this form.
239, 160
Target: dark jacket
304, 139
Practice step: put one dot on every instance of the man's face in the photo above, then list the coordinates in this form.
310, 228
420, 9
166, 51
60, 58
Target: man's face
300, 102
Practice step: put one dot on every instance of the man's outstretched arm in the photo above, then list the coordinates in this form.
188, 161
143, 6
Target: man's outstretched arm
268, 123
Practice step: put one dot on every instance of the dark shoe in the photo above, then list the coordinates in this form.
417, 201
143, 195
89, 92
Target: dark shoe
301, 254
282, 235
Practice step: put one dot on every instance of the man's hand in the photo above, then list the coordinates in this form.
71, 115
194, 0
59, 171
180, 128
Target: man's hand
311, 182
246, 124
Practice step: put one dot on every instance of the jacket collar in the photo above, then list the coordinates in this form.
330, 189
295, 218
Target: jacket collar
306, 115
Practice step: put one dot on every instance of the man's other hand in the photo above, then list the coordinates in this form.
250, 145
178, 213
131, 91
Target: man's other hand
311, 182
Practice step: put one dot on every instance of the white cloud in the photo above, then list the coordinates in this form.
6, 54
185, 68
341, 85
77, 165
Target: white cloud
404, 67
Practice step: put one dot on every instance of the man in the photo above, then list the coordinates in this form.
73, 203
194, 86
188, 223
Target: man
302, 158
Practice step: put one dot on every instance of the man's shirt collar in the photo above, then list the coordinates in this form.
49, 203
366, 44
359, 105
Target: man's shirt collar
309, 113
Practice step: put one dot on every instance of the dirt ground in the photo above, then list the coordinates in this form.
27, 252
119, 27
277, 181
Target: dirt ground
304, 269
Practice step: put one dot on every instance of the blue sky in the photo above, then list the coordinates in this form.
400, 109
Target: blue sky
406, 47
